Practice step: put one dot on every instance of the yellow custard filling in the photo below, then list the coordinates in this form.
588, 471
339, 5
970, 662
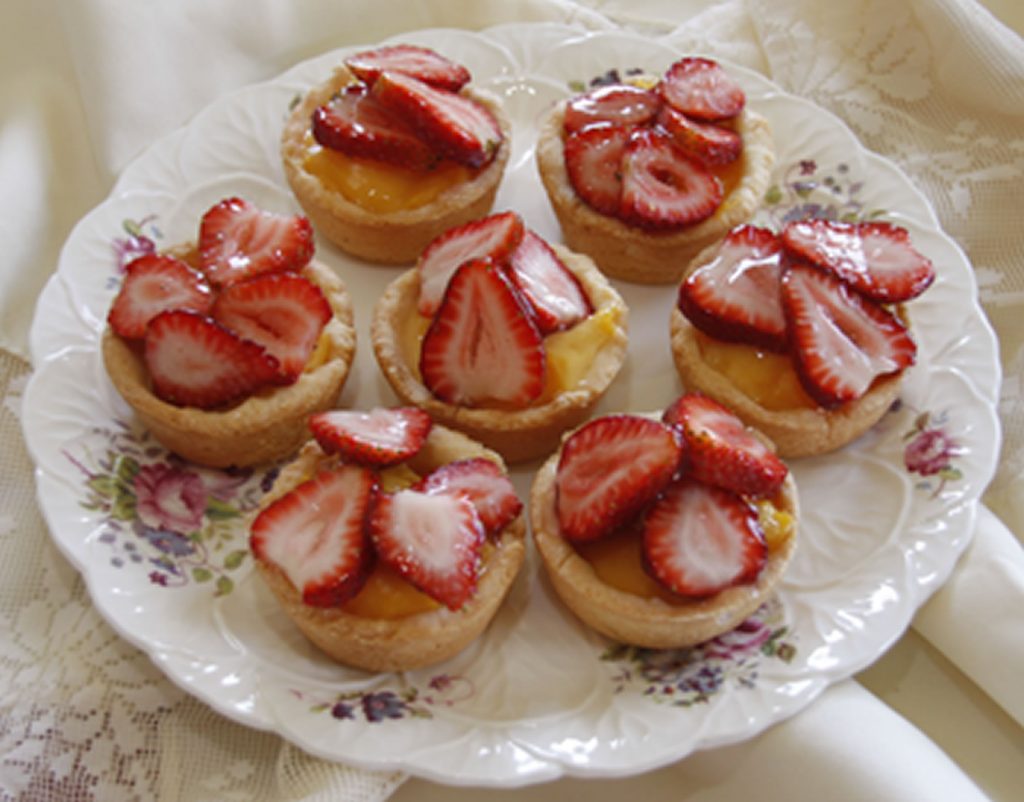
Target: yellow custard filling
765, 377
379, 187
617, 560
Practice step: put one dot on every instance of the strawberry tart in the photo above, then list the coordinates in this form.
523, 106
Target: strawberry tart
392, 149
665, 531
502, 336
642, 175
223, 348
803, 332
391, 542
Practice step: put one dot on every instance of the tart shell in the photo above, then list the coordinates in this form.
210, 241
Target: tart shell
518, 435
634, 254
395, 237
423, 638
263, 428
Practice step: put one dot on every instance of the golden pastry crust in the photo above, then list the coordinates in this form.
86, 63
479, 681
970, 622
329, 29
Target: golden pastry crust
396, 237
518, 435
416, 640
627, 618
633, 254
265, 427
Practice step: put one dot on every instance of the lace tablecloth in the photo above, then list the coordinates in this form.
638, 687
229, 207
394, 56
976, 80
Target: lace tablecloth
935, 85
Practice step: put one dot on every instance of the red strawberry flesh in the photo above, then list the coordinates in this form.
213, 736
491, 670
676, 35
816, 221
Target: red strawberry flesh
376, 438
484, 483
712, 144
423, 63
700, 88
609, 469
593, 162
152, 284
552, 290
316, 535
618, 104
699, 540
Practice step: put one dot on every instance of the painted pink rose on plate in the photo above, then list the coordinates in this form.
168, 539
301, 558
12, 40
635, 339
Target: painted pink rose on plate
169, 498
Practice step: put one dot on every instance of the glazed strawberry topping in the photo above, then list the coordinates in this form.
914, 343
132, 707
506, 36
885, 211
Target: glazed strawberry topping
553, 292
494, 237
423, 63
721, 450
193, 360
699, 539
377, 438
609, 469
735, 295
482, 345
662, 187
618, 104
356, 123
841, 341
458, 127
238, 240
283, 312
875, 258
433, 540
710, 143
152, 284
316, 535
484, 483
700, 88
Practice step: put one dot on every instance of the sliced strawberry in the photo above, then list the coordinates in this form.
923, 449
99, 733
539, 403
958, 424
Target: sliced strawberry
377, 438
841, 341
699, 540
700, 88
283, 312
432, 540
153, 284
552, 290
483, 345
593, 161
721, 450
609, 469
876, 258
619, 104
459, 127
712, 144
662, 187
316, 534
194, 361
484, 483
354, 122
238, 240
423, 63
735, 295
493, 237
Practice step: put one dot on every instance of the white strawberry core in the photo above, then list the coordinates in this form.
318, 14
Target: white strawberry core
379, 427
428, 528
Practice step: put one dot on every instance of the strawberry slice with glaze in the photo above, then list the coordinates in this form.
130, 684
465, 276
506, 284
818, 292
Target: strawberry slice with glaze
457, 126
593, 163
422, 63
712, 144
354, 122
840, 341
376, 438
494, 237
316, 535
433, 540
722, 451
736, 294
484, 483
662, 187
552, 290
699, 539
876, 258
483, 345
238, 240
700, 88
152, 284
283, 312
618, 104
194, 361
609, 469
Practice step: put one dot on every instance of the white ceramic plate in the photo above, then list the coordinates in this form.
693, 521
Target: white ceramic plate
162, 545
